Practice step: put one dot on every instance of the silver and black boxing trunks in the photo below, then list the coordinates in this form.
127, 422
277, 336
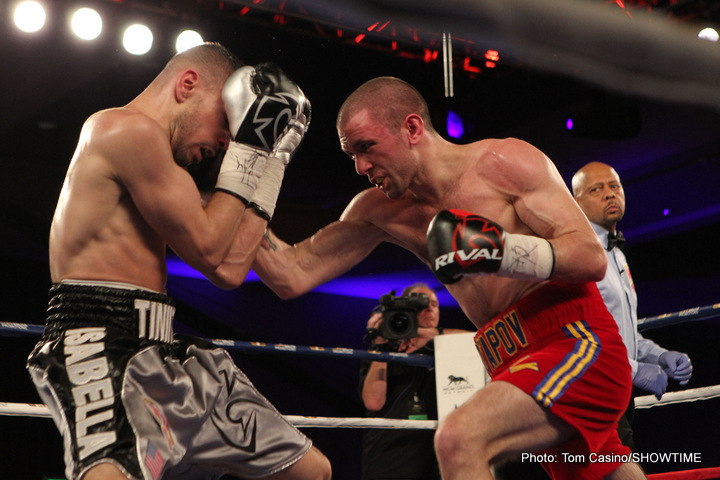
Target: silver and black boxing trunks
123, 389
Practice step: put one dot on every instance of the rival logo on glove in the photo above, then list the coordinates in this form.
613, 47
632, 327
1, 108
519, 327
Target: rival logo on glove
488, 235
475, 255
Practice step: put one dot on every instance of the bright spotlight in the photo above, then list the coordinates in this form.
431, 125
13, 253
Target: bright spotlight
137, 39
29, 16
87, 24
709, 34
188, 39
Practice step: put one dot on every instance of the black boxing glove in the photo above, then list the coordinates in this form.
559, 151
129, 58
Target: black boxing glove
293, 108
277, 102
264, 108
461, 243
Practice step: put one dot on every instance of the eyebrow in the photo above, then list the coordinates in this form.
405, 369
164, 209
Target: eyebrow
348, 147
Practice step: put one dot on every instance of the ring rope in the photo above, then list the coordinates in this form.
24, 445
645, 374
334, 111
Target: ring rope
648, 401
417, 360
34, 410
41, 411
680, 396
691, 314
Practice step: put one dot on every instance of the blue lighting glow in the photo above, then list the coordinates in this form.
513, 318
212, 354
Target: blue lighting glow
360, 286
569, 124
178, 268
455, 125
666, 212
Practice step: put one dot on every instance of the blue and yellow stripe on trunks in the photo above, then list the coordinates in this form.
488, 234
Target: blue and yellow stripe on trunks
587, 347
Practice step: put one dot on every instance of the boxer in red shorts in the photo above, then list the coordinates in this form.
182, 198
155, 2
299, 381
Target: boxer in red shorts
525, 232
540, 346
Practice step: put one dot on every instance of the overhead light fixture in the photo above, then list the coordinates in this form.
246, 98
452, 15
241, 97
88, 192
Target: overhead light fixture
137, 39
709, 34
188, 39
86, 24
29, 16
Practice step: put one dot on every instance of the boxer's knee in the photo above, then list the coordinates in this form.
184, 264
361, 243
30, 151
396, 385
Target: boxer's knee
456, 439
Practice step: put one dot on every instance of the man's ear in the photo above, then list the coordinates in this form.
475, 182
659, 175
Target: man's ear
186, 84
415, 128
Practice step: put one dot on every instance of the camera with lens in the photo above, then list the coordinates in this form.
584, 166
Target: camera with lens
399, 314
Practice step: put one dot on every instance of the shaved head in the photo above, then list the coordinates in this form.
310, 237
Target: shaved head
587, 173
212, 61
599, 193
389, 99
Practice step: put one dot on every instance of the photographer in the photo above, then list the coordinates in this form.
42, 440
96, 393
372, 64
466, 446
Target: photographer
395, 390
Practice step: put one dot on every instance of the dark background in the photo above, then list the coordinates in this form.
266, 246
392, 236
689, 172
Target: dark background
667, 154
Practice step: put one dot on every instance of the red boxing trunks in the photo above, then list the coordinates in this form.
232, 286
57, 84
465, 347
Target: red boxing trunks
124, 390
560, 345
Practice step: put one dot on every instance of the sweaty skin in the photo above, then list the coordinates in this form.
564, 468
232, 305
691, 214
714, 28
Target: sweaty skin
418, 174
127, 196
386, 131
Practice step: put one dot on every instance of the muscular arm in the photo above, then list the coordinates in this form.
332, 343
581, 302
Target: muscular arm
236, 264
544, 204
170, 203
293, 270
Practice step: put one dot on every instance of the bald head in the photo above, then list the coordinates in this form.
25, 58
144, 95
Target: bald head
597, 189
211, 60
389, 100
588, 172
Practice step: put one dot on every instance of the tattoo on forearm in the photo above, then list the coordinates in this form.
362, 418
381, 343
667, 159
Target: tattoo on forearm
268, 240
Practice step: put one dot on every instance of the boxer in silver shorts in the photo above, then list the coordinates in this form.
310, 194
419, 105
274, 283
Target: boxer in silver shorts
124, 390
132, 400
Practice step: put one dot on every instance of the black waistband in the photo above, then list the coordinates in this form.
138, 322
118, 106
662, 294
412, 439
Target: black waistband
138, 313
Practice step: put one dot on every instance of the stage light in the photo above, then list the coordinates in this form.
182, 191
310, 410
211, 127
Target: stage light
455, 126
87, 24
709, 34
29, 16
137, 39
187, 39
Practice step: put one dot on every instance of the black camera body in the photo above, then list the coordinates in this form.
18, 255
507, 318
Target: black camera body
399, 314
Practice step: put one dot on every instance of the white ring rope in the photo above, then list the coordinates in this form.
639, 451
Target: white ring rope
41, 411
352, 422
681, 396
648, 401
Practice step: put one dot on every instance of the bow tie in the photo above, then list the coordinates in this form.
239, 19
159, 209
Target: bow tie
615, 240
